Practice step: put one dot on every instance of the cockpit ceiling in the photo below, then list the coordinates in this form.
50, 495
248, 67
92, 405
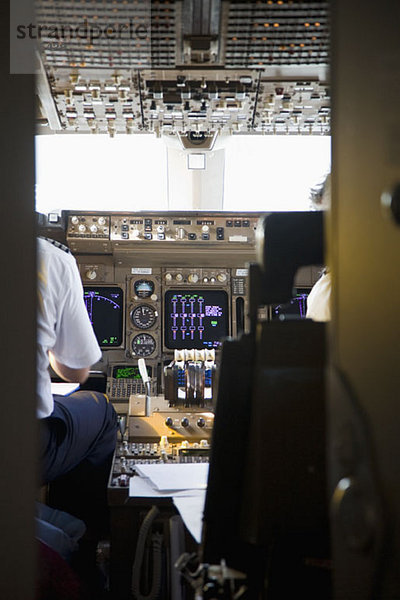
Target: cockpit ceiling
131, 66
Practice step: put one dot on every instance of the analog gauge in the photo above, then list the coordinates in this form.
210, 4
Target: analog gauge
143, 344
143, 288
143, 316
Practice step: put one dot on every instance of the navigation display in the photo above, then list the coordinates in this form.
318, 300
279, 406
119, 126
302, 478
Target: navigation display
105, 308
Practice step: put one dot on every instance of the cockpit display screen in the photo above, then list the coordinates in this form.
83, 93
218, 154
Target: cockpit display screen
196, 318
105, 308
295, 309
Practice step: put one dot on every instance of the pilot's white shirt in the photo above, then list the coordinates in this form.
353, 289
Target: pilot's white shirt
319, 299
63, 324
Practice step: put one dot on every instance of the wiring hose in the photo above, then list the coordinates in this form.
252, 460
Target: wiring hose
139, 557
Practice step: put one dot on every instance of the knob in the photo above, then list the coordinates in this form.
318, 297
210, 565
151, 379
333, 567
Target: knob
91, 274
74, 220
205, 229
179, 277
193, 278
101, 221
169, 422
161, 229
201, 422
168, 277
221, 277
82, 228
93, 228
185, 422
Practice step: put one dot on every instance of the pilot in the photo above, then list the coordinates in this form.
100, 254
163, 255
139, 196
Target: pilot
77, 432
319, 299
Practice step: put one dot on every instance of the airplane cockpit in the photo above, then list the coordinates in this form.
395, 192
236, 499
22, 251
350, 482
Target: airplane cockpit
178, 147
167, 289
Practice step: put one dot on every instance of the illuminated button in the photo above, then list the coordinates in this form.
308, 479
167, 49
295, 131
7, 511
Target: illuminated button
74, 220
201, 422
213, 280
205, 279
82, 228
169, 422
179, 277
221, 277
185, 422
193, 278
168, 277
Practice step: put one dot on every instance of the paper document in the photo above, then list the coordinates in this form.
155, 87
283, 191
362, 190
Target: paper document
191, 509
63, 388
185, 483
142, 487
176, 476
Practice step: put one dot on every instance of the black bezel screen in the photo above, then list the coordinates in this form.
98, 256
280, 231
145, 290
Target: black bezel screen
195, 318
105, 308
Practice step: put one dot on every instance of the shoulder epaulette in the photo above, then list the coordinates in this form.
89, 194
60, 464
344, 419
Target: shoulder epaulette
56, 244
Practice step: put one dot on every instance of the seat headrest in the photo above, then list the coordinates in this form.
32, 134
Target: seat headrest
285, 242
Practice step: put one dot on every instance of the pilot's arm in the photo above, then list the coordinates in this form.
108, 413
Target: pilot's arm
65, 337
67, 373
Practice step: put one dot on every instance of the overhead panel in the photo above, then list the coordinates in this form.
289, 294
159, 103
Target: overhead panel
185, 68
277, 33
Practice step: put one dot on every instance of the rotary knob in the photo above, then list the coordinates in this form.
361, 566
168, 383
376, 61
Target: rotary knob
74, 220
82, 228
91, 274
205, 229
179, 277
101, 221
93, 228
221, 277
193, 278
168, 277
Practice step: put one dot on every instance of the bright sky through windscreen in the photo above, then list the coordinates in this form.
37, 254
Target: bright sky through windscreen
129, 172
